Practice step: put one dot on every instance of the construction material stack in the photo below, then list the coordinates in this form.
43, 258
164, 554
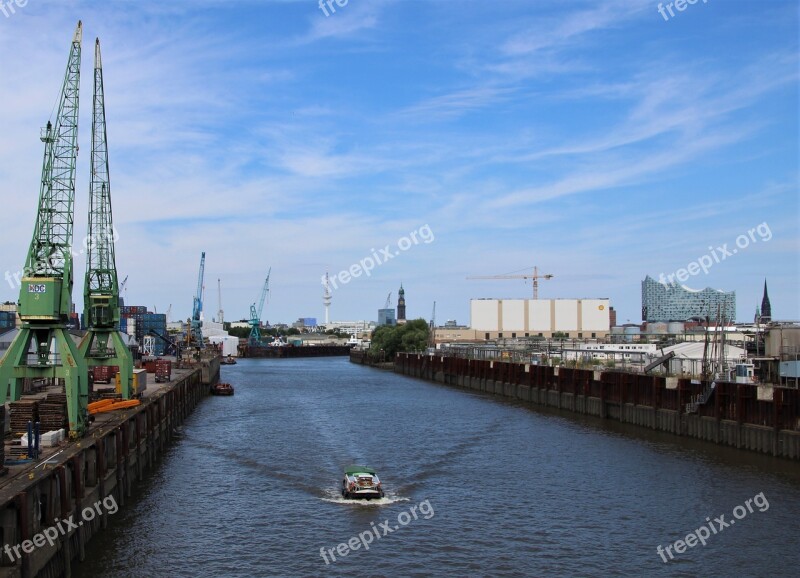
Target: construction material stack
53, 412
20, 413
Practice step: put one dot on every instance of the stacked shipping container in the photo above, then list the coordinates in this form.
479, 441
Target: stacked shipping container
8, 320
137, 321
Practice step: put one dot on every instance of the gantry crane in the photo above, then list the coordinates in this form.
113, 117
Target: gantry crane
195, 336
45, 298
255, 314
535, 276
102, 343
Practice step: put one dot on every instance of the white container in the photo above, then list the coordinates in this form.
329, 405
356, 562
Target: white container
46, 440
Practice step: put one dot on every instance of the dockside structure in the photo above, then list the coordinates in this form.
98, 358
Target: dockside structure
764, 419
106, 464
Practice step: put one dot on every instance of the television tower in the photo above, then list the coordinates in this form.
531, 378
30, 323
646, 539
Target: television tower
326, 298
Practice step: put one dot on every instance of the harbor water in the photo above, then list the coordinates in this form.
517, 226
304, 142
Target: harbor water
475, 486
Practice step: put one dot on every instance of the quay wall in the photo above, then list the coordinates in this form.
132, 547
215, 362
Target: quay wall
109, 461
763, 419
291, 351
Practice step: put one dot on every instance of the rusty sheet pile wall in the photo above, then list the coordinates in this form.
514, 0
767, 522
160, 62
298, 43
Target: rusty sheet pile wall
759, 418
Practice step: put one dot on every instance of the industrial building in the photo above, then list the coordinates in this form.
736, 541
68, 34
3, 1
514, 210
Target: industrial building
515, 318
662, 302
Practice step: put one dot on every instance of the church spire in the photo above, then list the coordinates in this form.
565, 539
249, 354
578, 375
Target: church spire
766, 308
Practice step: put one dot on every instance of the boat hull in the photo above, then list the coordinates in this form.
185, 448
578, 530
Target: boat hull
362, 495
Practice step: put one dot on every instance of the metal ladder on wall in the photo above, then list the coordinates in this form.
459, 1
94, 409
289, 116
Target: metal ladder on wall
702, 398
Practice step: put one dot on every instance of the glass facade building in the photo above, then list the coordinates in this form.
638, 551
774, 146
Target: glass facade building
673, 302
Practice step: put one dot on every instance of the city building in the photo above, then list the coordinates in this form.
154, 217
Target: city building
516, 318
401, 305
673, 302
357, 328
386, 317
305, 323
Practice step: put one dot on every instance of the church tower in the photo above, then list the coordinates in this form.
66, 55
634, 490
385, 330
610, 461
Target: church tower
401, 306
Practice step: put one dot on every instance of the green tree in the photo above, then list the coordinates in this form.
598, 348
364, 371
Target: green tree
388, 340
240, 332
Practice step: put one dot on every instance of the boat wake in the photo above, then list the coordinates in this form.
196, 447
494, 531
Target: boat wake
334, 497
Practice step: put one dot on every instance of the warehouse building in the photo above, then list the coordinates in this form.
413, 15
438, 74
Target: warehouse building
517, 318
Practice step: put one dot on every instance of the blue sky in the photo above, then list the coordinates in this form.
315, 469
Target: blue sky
596, 140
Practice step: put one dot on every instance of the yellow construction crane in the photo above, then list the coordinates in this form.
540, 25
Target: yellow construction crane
535, 276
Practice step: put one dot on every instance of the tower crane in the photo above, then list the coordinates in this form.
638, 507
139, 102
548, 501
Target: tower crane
388, 300
102, 343
535, 276
195, 336
255, 314
45, 298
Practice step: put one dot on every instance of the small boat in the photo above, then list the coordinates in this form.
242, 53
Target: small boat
361, 483
228, 361
222, 389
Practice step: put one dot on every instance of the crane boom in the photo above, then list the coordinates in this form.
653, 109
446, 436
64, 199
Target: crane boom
264, 292
102, 344
535, 276
45, 299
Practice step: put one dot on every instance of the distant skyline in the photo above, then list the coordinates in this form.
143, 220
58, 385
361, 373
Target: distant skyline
599, 141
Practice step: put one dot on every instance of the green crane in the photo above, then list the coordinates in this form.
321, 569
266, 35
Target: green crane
102, 344
255, 314
43, 348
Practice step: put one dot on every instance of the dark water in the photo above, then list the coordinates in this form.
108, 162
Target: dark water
250, 488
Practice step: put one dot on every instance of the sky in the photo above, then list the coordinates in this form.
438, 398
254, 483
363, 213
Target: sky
428, 141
